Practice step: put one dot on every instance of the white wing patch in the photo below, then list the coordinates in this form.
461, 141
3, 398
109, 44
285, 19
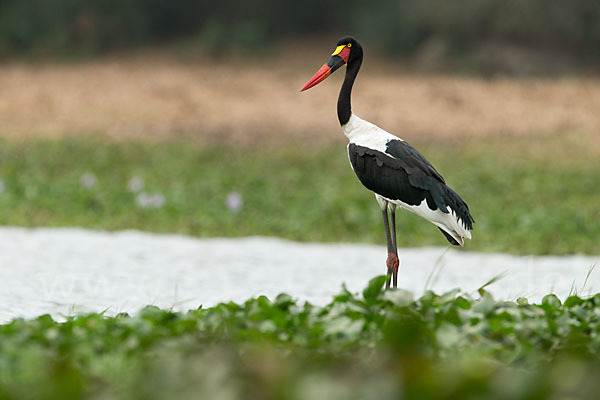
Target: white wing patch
363, 133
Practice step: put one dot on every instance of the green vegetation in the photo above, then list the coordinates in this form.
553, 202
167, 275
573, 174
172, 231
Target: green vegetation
381, 345
521, 201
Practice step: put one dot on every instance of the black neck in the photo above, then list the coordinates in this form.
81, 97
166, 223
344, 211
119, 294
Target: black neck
344, 108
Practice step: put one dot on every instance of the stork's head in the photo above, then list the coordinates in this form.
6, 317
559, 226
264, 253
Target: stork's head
348, 49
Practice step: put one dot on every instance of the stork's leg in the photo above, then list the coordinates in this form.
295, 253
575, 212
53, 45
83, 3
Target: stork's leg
390, 245
396, 261
392, 259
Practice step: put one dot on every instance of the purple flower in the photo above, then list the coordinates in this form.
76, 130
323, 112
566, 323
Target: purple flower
135, 184
87, 180
150, 200
234, 201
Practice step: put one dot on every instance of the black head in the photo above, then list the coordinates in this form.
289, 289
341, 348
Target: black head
348, 51
356, 51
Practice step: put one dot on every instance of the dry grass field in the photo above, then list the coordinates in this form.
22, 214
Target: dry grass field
234, 100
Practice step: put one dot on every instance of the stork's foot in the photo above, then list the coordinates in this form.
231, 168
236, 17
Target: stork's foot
392, 264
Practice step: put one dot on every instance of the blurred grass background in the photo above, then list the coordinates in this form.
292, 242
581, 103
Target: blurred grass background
521, 202
185, 117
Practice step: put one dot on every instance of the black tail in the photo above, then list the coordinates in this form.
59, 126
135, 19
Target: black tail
461, 209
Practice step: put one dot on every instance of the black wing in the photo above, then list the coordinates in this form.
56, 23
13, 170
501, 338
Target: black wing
402, 173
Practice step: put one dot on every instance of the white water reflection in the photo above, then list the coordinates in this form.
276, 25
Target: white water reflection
65, 271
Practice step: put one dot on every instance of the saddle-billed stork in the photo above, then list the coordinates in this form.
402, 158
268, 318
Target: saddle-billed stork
385, 164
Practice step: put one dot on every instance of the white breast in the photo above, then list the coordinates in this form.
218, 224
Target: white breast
366, 134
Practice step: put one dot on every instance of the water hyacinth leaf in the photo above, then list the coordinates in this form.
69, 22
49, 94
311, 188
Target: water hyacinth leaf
374, 287
448, 335
399, 297
551, 302
486, 304
462, 302
344, 326
580, 312
573, 301
284, 301
522, 301
449, 295
447, 346
267, 326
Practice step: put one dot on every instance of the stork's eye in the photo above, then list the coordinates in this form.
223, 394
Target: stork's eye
349, 44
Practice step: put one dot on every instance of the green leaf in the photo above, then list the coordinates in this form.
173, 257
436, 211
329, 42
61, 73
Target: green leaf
573, 301
374, 287
550, 302
522, 301
399, 297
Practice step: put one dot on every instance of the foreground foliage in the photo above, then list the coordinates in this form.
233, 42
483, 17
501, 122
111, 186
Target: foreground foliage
521, 202
383, 344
